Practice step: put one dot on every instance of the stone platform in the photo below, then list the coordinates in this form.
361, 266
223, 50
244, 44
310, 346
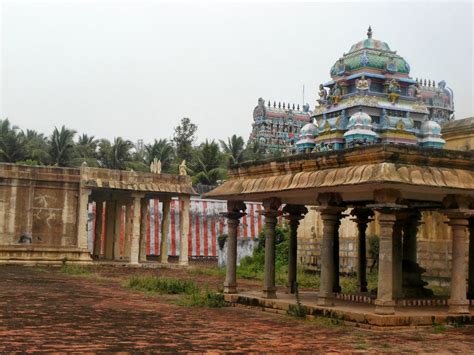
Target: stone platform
359, 314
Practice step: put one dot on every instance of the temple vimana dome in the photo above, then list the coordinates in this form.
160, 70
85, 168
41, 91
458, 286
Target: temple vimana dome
371, 98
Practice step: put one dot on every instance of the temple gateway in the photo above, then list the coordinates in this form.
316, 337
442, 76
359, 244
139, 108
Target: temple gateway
371, 153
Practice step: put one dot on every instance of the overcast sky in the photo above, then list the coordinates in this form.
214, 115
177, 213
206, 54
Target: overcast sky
134, 69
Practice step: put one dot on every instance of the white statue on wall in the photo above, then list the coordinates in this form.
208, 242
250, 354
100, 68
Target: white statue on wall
182, 168
155, 166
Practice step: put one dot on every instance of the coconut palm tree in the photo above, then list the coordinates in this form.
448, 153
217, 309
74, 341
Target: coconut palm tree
37, 148
86, 151
254, 151
207, 164
161, 150
233, 149
62, 146
115, 155
12, 142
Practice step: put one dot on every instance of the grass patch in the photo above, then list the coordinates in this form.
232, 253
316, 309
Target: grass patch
203, 298
153, 284
75, 270
438, 328
207, 271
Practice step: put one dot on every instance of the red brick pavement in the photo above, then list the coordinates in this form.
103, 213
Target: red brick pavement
50, 311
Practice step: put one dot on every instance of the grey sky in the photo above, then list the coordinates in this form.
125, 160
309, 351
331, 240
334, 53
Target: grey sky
134, 69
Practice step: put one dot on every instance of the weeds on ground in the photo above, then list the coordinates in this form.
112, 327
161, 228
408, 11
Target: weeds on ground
297, 310
159, 285
328, 322
203, 298
438, 328
74, 270
208, 271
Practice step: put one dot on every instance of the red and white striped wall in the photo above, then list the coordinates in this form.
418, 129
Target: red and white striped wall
206, 224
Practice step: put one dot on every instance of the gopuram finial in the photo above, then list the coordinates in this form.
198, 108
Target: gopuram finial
369, 32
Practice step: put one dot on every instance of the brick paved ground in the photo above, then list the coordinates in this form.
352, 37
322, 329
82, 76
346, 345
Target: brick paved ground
45, 310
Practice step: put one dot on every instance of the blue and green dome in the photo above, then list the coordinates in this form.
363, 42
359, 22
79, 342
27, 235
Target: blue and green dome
373, 54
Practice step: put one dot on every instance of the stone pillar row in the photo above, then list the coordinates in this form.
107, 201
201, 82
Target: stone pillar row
137, 213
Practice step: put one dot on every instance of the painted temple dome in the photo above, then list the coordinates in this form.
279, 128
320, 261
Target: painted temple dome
307, 134
373, 54
430, 128
360, 128
360, 119
309, 130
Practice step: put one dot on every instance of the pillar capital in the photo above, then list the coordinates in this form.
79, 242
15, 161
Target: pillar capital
235, 211
362, 215
294, 212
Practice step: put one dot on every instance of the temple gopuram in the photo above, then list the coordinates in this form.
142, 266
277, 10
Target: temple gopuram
276, 127
371, 98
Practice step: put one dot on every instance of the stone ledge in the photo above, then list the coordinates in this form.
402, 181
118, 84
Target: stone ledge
357, 314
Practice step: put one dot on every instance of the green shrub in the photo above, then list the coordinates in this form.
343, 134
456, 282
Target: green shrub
204, 298
155, 284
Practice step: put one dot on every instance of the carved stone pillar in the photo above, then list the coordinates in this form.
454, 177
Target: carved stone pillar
397, 257
470, 277
235, 210
294, 213
335, 250
82, 217
118, 228
99, 212
165, 227
183, 230
109, 229
362, 219
412, 283
330, 214
270, 212
135, 230
128, 230
458, 213
144, 213
385, 302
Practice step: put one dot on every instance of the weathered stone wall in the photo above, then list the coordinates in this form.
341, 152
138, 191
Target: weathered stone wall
434, 244
38, 214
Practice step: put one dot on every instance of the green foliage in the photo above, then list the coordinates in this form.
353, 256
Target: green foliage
254, 151
205, 298
12, 143
75, 270
155, 284
115, 155
233, 149
207, 164
297, 310
62, 146
183, 139
161, 150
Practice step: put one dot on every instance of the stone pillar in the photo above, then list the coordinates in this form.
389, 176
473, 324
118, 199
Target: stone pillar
235, 210
117, 228
271, 213
128, 230
184, 230
458, 302
362, 219
385, 303
82, 217
336, 286
397, 258
470, 283
109, 229
144, 213
99, 211
165, 227
135, 230
413, 285
294, 214
330, 218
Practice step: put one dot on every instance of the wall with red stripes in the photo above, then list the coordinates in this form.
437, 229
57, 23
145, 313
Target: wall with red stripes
206, 224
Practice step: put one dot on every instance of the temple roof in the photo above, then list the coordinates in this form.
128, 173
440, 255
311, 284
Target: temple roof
419, 173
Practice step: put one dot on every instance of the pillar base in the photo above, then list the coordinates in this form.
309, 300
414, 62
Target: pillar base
290, 288
326, 300
458, 307
269, 293
384, 307
183, 262
230, 288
